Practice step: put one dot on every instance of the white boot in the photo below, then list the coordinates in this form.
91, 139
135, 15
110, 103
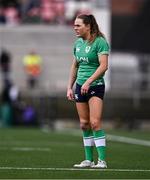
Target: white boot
100, 164
85, 163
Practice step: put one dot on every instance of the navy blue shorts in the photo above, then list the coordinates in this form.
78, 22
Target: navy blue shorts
97, 91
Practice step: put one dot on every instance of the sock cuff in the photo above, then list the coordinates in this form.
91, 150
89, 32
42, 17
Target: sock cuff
99, 134
87, 133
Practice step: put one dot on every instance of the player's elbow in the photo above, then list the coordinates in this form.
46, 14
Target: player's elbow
105, 68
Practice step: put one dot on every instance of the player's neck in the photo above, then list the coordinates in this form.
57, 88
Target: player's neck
87, 37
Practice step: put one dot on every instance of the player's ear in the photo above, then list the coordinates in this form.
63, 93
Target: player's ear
88, 27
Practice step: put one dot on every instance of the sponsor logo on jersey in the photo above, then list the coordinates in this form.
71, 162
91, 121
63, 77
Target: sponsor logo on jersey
83, 59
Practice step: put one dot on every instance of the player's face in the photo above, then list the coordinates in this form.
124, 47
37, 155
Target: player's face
80, 28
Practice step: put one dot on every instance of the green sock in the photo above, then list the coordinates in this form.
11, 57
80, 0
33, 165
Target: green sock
100, 142
88, 141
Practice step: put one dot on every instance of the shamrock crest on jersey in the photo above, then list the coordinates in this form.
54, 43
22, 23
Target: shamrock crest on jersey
87, 49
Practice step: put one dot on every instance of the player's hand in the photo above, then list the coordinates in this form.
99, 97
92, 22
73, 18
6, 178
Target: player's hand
85, 88
70, 94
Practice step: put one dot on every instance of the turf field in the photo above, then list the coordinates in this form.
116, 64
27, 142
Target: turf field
35, 154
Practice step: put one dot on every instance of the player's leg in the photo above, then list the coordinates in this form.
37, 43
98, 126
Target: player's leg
88, 139
96, 108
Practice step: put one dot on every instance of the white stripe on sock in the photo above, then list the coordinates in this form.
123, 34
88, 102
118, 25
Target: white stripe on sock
100, 142
88, 141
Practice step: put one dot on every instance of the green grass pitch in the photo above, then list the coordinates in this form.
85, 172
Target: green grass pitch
30, 153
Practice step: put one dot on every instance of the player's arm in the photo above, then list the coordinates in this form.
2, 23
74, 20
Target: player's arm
103, 60
72, 79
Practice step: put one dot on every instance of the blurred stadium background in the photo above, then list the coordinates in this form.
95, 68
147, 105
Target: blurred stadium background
46, 26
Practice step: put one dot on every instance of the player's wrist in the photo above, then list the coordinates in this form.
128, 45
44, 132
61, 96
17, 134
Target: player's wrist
69, 88
89, 81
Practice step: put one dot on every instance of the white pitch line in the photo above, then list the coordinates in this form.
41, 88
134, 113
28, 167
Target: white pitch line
30, 149
128, 140
73, 169
25, 149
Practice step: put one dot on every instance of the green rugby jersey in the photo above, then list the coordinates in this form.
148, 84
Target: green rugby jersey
86, 55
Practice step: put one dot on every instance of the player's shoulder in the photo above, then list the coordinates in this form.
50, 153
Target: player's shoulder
101, 39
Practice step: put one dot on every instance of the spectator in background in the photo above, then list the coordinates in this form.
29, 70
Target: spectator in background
5, 66
12, 16
32, 66
52, 11
10, 11
30, 11
9, 100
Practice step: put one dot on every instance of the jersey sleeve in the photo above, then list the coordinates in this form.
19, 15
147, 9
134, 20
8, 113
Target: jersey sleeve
103, 46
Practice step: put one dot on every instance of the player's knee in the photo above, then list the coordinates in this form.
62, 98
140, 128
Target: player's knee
84, 125
95, 125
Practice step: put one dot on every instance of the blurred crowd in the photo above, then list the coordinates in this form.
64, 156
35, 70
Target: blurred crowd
13, 12
13, 110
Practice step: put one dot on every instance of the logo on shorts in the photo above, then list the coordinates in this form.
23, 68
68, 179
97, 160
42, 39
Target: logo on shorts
76, 96
93, 92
